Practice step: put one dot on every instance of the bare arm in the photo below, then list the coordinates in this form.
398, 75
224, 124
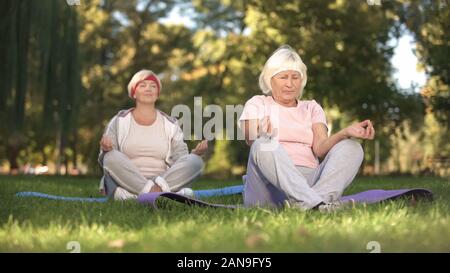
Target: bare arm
322, 143
253, 128
250, 129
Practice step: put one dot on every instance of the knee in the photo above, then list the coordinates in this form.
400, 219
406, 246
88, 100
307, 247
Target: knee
351, 148
262, 144
195, 162
256, 145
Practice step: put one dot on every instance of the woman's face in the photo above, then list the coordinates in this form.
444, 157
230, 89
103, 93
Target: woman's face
286, 86
146, 92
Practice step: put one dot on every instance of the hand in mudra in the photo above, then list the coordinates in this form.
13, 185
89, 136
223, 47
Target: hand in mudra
106, 143
265, 127
201, 148
362, 130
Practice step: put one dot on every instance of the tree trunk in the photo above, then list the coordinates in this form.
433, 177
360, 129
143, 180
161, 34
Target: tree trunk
377, 157
22, 40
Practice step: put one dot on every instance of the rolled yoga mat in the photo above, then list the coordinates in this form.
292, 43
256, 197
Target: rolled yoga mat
62, 198
198, 194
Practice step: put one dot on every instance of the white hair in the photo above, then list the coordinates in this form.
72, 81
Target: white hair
282, 59
139, 76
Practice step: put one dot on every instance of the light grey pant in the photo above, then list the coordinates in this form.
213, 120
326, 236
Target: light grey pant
121, 172
273, 178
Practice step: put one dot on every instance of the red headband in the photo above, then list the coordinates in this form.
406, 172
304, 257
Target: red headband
148, 78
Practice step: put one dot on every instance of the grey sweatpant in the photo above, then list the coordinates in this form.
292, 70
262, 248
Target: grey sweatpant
272, 178
121, 172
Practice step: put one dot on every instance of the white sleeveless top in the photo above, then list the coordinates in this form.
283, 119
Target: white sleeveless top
147, 147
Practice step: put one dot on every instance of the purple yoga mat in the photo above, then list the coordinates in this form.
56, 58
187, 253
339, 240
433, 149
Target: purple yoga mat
368, 197
374, 196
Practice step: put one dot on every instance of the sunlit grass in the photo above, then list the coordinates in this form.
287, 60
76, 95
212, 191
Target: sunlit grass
36, 225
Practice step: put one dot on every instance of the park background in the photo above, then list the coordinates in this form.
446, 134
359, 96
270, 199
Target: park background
65, 66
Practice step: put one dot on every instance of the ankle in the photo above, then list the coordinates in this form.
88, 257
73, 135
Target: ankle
316, 207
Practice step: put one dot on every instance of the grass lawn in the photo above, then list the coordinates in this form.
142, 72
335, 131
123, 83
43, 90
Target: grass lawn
37, 225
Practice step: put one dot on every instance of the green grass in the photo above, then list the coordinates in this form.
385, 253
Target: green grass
37, 225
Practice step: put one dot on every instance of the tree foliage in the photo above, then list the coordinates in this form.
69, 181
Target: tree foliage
65, 68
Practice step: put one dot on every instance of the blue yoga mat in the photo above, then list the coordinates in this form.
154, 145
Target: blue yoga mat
198, 194
219, 192
57, 197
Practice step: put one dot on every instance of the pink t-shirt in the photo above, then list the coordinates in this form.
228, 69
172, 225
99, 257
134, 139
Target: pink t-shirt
293, 125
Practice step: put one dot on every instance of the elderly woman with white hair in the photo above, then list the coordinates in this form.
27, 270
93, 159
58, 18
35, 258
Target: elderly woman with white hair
288, 137
142, 149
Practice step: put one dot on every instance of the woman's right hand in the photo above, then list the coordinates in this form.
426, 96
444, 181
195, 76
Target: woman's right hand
254, 128
265, 127
106, 143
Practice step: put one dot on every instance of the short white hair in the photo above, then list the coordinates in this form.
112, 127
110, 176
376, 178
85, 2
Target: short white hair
139, 76
283, 59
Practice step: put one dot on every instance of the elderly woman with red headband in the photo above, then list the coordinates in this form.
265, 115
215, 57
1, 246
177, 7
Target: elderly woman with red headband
293, 161
142, 149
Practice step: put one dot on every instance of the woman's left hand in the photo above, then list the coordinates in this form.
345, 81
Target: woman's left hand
363, 130
201, 148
